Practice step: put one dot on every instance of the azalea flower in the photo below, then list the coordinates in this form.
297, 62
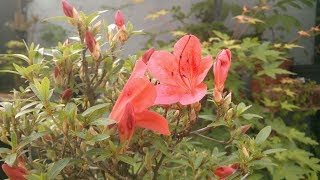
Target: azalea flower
93, 46
14, 172
131, 108
220, 70
224, 171
181, 73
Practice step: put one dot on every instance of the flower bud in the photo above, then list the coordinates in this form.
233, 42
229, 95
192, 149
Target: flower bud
66, 95
227, 101
245, 128
67, 9
224, 171
245, 151
111, 30
146, 55
65, 126
96, 27
70, 12
229, 114
93, 46
66, 42
119, 20
121, 36
196, 106
56, 72
220, 70
304, 34
14, 172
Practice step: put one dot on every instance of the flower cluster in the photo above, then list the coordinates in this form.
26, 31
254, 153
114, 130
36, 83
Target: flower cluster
158, 78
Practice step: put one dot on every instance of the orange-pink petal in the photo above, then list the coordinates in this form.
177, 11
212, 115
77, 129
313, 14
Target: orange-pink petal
168, 94
153, 121
195, 95
139, 91
205, 65
162, 66
126, 125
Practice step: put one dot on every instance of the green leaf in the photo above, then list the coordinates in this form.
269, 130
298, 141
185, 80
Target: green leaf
162, 146
263, 135
102, 122
14, 140
263, 162
21, 113
9, 71
45, 87
241, 108
287, 106
57, 18
249, 116
97, 138
5, 150
10, 159
221, 35
127, 159
57, 168
93, 109
32, 137
20, 56
271, 151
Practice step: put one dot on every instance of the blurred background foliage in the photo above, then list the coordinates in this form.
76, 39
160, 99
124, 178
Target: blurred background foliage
261, 76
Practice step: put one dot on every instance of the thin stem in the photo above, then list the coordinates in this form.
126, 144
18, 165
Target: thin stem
158, 165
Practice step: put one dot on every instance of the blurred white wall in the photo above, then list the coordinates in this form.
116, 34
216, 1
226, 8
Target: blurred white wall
137, 13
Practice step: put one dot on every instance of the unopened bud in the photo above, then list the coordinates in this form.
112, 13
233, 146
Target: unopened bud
92, 131
228, 114
146, 56
196, 106
93, 46
65, 127
217, 96
66, 95
96, 27
304, 34
66, 42
227, 101
119, 20
67, 9
47, 137
121, 36
245, 128
56, 72
245, 151
245, 9
83, 146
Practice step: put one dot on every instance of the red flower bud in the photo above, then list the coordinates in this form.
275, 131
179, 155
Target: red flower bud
235, 166
66, 95
67, 9
146, 56
91, 41
119, 20
221, 67
93, 46
56, 72
220, 70
14, 172
224, 171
